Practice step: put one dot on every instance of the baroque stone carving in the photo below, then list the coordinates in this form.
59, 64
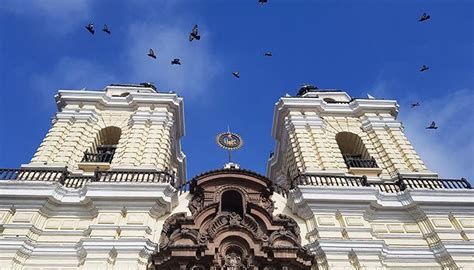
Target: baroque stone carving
234, 231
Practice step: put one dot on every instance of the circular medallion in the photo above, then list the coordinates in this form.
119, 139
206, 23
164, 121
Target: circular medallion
229, 141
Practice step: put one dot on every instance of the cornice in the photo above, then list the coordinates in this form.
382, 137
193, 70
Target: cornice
322, 198
356, 108
51, 196
102, 101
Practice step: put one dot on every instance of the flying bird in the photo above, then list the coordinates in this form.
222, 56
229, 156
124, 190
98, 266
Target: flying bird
176, 61
194, 34
424, 17
262, 2
236, 74
424, 68
268, 54
152, 54
90, 28
413, 105
370, 97
106, 29
432, 126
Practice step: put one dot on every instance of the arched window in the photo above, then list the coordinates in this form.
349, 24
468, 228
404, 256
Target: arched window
353, 150
104, 147
231, 201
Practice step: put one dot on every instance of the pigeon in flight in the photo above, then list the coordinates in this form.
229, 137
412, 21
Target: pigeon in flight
106, 29
152, 54
194, 34
268, 54
262, 2
424, 17
424, 68
370, 97
236, 74
90, 28
413, 105
432, 126
176, 61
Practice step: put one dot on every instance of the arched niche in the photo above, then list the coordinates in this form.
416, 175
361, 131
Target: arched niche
232, 202
354, 151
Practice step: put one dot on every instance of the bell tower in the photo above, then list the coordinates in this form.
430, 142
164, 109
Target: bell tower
122, 127
365, 195
328, 132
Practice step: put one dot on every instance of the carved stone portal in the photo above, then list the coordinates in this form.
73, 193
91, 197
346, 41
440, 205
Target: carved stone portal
232, 227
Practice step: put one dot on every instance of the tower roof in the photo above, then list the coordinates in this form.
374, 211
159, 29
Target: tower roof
307, 88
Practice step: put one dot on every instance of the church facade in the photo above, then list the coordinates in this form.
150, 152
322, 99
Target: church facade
344, 189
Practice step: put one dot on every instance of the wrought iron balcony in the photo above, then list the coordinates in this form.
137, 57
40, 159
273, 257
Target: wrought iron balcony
105, 153
356, 161
401, 184
63, 177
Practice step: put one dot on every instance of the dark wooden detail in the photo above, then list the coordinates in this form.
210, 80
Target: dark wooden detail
400, 184
76, 181
216, 237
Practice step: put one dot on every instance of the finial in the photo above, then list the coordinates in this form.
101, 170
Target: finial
229, 141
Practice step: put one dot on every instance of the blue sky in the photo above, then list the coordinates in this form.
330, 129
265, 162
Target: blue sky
362, 47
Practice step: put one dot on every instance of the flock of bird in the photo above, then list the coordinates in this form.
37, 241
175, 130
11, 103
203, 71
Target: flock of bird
424, 17
194, 35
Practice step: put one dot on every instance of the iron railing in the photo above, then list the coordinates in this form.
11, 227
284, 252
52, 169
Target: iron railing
399, 185
63, 176
76, 181
358, 162
105, 153
98, 157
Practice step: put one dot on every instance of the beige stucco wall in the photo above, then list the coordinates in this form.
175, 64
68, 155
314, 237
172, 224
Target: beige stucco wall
306, 137
97, 227
151, 125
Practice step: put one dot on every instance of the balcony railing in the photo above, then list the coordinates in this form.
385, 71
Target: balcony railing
76, 181
399, 185
104, 154
358, 162
328, 180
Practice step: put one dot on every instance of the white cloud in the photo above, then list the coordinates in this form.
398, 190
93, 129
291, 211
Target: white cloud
381, 89
72, 73
192, 79
447, 150
59, 16
199, 65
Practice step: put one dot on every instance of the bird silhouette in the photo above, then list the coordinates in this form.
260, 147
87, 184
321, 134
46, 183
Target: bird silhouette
432, 126
370, 97
176, 61
194, 34
424, 68
424, 17
236, 74
268, 54
90, 28
106, 29
262, 2
413, 105
152, 54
